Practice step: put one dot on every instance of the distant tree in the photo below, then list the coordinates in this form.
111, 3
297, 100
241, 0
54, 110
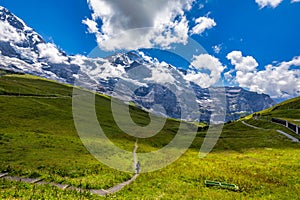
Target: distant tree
255, 116
229, 122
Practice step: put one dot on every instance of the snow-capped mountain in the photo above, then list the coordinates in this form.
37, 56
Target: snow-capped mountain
23, 50
131, 76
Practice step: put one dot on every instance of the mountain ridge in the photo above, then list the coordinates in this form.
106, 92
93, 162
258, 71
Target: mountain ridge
23, 50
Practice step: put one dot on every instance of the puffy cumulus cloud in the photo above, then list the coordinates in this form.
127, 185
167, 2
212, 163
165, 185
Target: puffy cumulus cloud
131, 24
241, 63
295, 1
201, 64
280, 81
51, 53
176, 33
271, 3
202, 24
10, 34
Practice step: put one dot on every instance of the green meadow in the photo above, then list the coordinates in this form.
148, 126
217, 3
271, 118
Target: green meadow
289, 110
38, 139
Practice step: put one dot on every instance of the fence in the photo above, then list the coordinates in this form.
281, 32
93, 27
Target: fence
292, 127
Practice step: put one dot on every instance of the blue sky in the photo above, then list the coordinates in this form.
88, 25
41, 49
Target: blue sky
57, 21
268, 34
247, 36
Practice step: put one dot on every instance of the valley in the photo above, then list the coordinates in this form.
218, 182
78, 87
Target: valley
38, 139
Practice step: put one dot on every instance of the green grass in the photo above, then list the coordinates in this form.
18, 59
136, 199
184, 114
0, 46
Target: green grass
264, 173
38, 139
266, 124
289, 109
15, 190
26, 85
294, 121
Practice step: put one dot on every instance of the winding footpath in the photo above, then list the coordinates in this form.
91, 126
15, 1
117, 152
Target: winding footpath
251, 126
100, 192
121, 185
278, 131
134, 156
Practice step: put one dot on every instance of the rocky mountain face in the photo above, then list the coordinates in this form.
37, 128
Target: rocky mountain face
131, 77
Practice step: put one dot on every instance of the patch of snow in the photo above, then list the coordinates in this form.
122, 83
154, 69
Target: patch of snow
9, 33
234, 90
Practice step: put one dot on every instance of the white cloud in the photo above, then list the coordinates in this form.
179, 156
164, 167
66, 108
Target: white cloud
202, 63
161, 74
126, 23
51, 53
201, 5
271, 3
217, 48
10, 34
202, 24
228, 75
295, 1
280, 81
106, 70
176, 33
244, 64
92, 25
78, 60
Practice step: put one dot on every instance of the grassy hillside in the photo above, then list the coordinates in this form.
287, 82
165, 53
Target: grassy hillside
38, 139
289, 110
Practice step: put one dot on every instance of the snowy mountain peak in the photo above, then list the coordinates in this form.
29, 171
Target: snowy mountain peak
19, 24
126, 59
24, 50
3, 9
15, 31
